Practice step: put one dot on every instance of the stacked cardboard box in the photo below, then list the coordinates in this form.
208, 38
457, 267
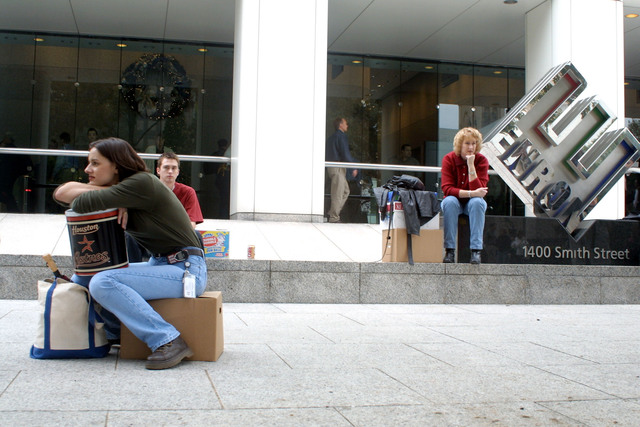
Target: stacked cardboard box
427, 247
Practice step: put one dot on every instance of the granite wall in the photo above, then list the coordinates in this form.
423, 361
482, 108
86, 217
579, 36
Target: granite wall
257, 281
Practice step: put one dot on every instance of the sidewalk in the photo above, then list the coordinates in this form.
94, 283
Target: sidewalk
38, 234
343, 365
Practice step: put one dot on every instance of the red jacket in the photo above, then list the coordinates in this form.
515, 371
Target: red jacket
455, 174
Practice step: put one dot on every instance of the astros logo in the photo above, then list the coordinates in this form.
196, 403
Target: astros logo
88, 244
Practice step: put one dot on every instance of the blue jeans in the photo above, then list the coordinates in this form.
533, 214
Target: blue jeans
125, 292
452, 209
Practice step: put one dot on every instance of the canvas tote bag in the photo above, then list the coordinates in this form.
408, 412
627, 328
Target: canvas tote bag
68, 326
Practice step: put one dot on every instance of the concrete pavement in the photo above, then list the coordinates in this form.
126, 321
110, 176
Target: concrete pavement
37, 234
349, 365
345, 364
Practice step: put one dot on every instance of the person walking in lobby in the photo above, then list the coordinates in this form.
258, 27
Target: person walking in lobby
465, 176
337, 150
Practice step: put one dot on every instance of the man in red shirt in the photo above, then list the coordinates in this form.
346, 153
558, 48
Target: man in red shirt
168, 170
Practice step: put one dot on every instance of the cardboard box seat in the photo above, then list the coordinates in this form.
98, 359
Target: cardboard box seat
199, 321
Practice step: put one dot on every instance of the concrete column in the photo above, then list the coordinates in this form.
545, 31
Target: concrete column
279, 108
590, 34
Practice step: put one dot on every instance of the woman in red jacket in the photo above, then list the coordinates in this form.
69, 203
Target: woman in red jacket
465, 175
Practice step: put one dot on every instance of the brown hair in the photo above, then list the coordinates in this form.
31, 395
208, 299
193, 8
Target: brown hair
121, 153
337, 121
169, 155
467, 132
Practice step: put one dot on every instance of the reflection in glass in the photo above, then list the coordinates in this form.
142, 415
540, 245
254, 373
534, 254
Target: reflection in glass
395, 103
73, 86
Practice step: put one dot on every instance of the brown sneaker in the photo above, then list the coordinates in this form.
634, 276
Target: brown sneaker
169, 355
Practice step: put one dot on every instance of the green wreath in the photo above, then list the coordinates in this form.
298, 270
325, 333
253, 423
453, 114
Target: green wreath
156, 86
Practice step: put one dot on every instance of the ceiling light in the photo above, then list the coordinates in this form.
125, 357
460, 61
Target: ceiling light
631, 15
497, 72
38, 39
202, 49
510, 1
355, 61
429, 67
121, 45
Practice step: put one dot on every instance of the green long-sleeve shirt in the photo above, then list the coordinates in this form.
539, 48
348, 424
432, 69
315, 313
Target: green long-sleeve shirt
157, 219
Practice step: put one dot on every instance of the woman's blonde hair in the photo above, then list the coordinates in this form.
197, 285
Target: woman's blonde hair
462, 134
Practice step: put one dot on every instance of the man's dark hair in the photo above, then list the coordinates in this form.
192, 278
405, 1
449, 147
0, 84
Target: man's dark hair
337, 121
168, 156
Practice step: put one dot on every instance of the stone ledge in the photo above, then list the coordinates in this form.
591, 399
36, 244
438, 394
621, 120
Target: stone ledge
261, 281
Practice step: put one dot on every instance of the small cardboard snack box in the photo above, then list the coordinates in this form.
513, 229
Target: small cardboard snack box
199, 321
216, 243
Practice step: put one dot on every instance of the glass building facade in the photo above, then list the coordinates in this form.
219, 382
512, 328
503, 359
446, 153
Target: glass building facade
56, 91
392, 103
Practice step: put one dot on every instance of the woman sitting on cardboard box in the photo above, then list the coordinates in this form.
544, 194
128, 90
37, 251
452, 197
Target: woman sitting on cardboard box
465, 175
150, 212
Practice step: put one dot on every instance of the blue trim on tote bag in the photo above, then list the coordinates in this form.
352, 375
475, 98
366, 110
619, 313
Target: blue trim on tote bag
48, 353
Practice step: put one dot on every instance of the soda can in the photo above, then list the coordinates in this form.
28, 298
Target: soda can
251, 252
